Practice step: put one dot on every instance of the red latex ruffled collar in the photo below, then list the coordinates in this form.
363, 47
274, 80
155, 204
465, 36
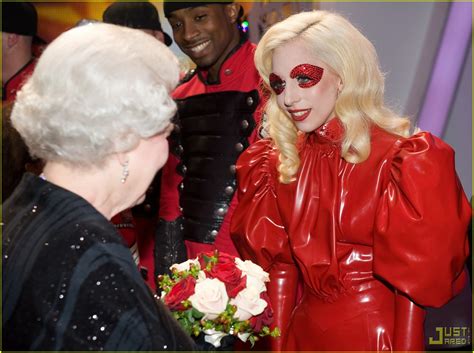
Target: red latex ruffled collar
330, 132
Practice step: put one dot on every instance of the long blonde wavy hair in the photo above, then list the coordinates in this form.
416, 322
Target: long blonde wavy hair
336, 42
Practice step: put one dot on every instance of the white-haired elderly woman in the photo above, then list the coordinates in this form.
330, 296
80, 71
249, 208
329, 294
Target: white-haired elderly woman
97, 110
341, 198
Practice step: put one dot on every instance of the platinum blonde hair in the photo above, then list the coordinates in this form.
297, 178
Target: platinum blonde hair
336, 42
96, 90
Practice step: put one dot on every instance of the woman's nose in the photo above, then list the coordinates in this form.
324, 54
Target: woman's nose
290, 96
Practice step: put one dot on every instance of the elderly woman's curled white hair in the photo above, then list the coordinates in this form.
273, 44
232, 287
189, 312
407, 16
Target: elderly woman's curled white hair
98, 105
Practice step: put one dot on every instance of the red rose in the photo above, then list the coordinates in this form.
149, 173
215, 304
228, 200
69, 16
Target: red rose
227, 271
204, 257
180, 292
265, 318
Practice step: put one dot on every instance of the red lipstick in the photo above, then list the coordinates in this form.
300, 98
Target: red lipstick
299, 114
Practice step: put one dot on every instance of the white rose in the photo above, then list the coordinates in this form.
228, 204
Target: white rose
248, 304
201, 276
255, 283
214, 337
186, 265
210, 298
256, 276
243, 336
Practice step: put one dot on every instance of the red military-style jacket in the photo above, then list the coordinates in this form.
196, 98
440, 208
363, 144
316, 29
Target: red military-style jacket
238, 87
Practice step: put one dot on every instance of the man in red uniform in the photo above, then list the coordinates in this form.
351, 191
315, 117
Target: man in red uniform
217, 119
19, 25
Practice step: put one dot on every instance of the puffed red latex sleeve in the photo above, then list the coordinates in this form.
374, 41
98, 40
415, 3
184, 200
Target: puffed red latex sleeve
420, 241
259, 234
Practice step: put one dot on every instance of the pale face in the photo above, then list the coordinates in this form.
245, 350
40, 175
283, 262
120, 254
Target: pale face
306, 87
145, 160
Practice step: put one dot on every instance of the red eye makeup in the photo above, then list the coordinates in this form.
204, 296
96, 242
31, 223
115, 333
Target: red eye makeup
307, 75
276, 83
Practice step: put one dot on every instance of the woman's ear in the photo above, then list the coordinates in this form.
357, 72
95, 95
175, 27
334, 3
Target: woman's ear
340, 85
122, 158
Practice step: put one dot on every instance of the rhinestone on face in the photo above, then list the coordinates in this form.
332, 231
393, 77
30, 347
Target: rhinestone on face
229, 190
245, 124
214, 232
232, 168
239, 147
249, 101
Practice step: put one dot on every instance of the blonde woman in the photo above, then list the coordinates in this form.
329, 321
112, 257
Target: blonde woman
370, 221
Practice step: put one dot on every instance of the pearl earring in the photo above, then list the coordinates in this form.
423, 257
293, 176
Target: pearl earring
125, 172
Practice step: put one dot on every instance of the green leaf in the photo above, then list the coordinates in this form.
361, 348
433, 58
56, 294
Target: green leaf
189, 315
276, 332
186, 325
252, 340
197, 314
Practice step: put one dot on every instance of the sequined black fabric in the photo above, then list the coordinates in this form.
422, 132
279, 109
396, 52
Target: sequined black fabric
69, 281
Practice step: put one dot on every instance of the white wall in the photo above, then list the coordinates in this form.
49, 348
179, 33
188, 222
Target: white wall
458, 132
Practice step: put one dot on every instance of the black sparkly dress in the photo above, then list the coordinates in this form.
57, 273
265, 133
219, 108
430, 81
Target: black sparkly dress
69, 281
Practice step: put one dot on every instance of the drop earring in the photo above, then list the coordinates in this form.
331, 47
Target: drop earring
125, 172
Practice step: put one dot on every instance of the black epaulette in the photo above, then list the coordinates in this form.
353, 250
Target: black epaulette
189, 75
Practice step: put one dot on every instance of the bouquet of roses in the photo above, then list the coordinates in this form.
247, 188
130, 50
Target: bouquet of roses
219, 295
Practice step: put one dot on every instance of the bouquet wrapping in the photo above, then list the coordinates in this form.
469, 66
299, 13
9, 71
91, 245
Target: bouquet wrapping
217, 295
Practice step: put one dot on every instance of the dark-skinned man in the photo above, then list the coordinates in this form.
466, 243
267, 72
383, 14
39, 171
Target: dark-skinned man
218, 112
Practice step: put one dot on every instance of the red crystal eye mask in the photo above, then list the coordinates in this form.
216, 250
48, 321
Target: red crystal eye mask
276, 83
307, 76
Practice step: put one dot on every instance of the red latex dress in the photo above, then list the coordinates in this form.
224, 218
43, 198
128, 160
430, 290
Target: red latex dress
367, 241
